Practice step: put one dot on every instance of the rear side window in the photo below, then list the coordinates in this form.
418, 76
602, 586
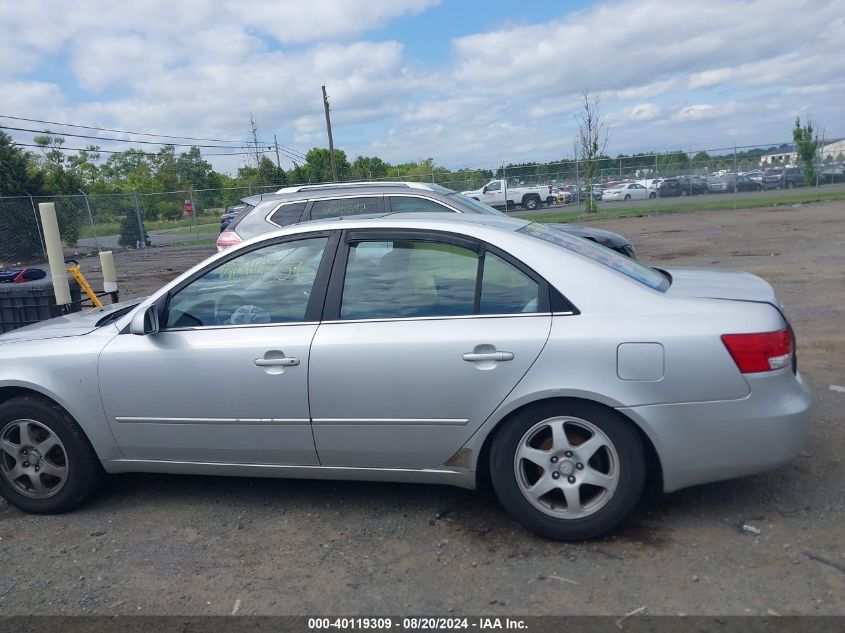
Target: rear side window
340, 207
505, 289
398, 279
288, 214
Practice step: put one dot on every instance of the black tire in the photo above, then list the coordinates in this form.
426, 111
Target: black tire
84, 471
627, 197
531, 202
632, 471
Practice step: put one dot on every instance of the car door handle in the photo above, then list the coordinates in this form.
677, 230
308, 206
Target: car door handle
474, 357
277, 362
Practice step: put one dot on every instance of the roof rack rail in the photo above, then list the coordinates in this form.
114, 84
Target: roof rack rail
353, 185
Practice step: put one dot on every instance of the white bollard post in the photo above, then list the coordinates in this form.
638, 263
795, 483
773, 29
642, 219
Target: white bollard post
109, 271
55, 254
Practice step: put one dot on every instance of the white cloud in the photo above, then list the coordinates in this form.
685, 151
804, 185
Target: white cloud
644, 112
665, 73
298, 21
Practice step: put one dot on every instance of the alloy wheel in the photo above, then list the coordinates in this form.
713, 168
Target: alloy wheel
33, 459
566, 467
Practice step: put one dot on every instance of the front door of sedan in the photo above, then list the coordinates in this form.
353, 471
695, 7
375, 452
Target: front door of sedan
225, 379
424, 335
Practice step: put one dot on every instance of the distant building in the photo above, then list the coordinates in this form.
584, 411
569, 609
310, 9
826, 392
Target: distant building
834, 150
782, 155
786, 155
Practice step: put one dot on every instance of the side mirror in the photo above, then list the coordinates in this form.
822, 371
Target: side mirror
145, 321
484, 189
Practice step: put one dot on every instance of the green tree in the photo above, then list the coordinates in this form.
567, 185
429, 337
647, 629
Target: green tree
806, 148
270, 174
18, 173
590, 142
297, 175
193, 170
369, 168
18, 177
61, 178
318, 165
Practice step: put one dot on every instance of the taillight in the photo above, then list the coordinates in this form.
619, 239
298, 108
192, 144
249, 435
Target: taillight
227, 239
765, 351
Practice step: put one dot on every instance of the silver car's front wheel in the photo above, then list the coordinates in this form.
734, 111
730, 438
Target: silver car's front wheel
47, 464
33, 459
568, 469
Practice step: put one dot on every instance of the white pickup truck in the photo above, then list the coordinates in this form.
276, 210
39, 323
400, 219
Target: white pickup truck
493, 194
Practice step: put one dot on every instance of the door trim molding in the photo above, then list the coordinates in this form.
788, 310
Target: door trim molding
124, 419
390, 421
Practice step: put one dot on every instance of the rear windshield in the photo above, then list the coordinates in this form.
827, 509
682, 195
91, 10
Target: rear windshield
625, 265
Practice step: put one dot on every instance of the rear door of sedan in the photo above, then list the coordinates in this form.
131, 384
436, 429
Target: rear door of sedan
423, 335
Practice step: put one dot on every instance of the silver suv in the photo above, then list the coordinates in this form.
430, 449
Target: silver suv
293, 205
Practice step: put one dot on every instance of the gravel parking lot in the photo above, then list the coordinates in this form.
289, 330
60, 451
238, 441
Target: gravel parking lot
202, 545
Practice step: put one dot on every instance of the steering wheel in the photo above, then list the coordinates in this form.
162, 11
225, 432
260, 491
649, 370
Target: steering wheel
225, 306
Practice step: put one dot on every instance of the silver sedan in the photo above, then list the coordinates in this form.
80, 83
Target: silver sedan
420, 349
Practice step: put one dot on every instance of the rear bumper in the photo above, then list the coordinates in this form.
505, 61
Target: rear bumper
702, 442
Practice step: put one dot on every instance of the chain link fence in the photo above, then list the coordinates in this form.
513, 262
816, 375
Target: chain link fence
136, 220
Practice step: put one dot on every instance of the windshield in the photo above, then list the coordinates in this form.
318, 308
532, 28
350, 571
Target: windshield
625, 265
470, 205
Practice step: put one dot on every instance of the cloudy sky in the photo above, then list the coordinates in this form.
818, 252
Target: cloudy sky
466, 82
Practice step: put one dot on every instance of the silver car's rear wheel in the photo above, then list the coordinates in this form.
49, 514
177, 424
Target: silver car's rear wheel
33, 459
566, 467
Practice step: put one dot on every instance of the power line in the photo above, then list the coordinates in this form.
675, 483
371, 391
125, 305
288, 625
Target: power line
289, 150
122, 140
137, 151
106, 129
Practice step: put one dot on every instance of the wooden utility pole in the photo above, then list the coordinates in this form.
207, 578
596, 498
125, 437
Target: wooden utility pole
329, 129
276, 143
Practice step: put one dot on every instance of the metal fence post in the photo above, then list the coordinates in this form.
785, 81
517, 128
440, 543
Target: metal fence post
505, 186
735, 175
91, 219
577, 183
142, 241
38, 226
193, 211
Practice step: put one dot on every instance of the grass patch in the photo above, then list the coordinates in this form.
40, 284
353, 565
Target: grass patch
619, 210
182, 226
191, 230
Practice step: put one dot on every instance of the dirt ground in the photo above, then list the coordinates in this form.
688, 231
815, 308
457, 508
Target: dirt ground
202, 545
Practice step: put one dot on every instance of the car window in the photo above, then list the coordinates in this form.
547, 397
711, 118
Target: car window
410, 204
267, 285
338, 207
494, 186
399, 278
624, 265
505, 289
288, 214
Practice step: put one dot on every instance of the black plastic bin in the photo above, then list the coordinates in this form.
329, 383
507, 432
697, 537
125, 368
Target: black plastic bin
32, 301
